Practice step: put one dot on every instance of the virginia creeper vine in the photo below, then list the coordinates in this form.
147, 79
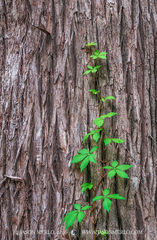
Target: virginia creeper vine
86, 156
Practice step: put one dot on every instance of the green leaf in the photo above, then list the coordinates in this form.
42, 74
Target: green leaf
92, 132
92, 157
94, 91
77, 158
97, 66
98, 130
98, 121
68, 215
86, 186
70, 220
103, 99
107, 204
111, 114
83, 151
122, 174
80, 216
111, 173
97, 198
109, 98
115, 196
107, 141
90, 67
106, 192
93, 149
94, 70
96, 137
108, 167
117, 140
77, 206
103, 55
84, 164
124, 167
85, 137
91, 44
96, 54
87, 72
85, 208
114, 164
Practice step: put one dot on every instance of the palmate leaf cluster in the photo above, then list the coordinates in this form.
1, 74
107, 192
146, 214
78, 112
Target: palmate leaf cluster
106, 198
92, 69
85, 156
100, 120
86, 186
96, 54
115, 168
115, 140
78, 214
94, 133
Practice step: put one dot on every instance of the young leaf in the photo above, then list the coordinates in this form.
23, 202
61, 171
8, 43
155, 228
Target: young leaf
107, 204
84, 164
92, 157
107, 141
109, 98
91, 133
83, 151
103, 99
102, 55
87, 72
94, 91
111, 173
122, 174
96, 137
124, 167
106, 192
85, 137
71, 220
80, 216
86, 186
114, 164
93, 149
68, 215
77, 158
91, 44
97, 54
90, 67
98, 130
98, 121
108, 167
111, 114
85, 208
97, 66
97, 198
115, 196
117, 140
77, 206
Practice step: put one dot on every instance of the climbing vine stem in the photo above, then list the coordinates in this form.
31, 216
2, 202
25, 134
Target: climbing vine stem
86, 156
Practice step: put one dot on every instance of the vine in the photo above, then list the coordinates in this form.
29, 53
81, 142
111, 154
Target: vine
85, 156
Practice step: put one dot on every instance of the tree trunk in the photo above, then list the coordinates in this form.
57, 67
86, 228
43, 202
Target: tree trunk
46, 109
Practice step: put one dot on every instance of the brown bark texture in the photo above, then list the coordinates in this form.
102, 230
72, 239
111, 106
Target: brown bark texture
46, 109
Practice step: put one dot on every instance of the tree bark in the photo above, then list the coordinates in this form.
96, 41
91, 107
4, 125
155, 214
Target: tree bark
46, 109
